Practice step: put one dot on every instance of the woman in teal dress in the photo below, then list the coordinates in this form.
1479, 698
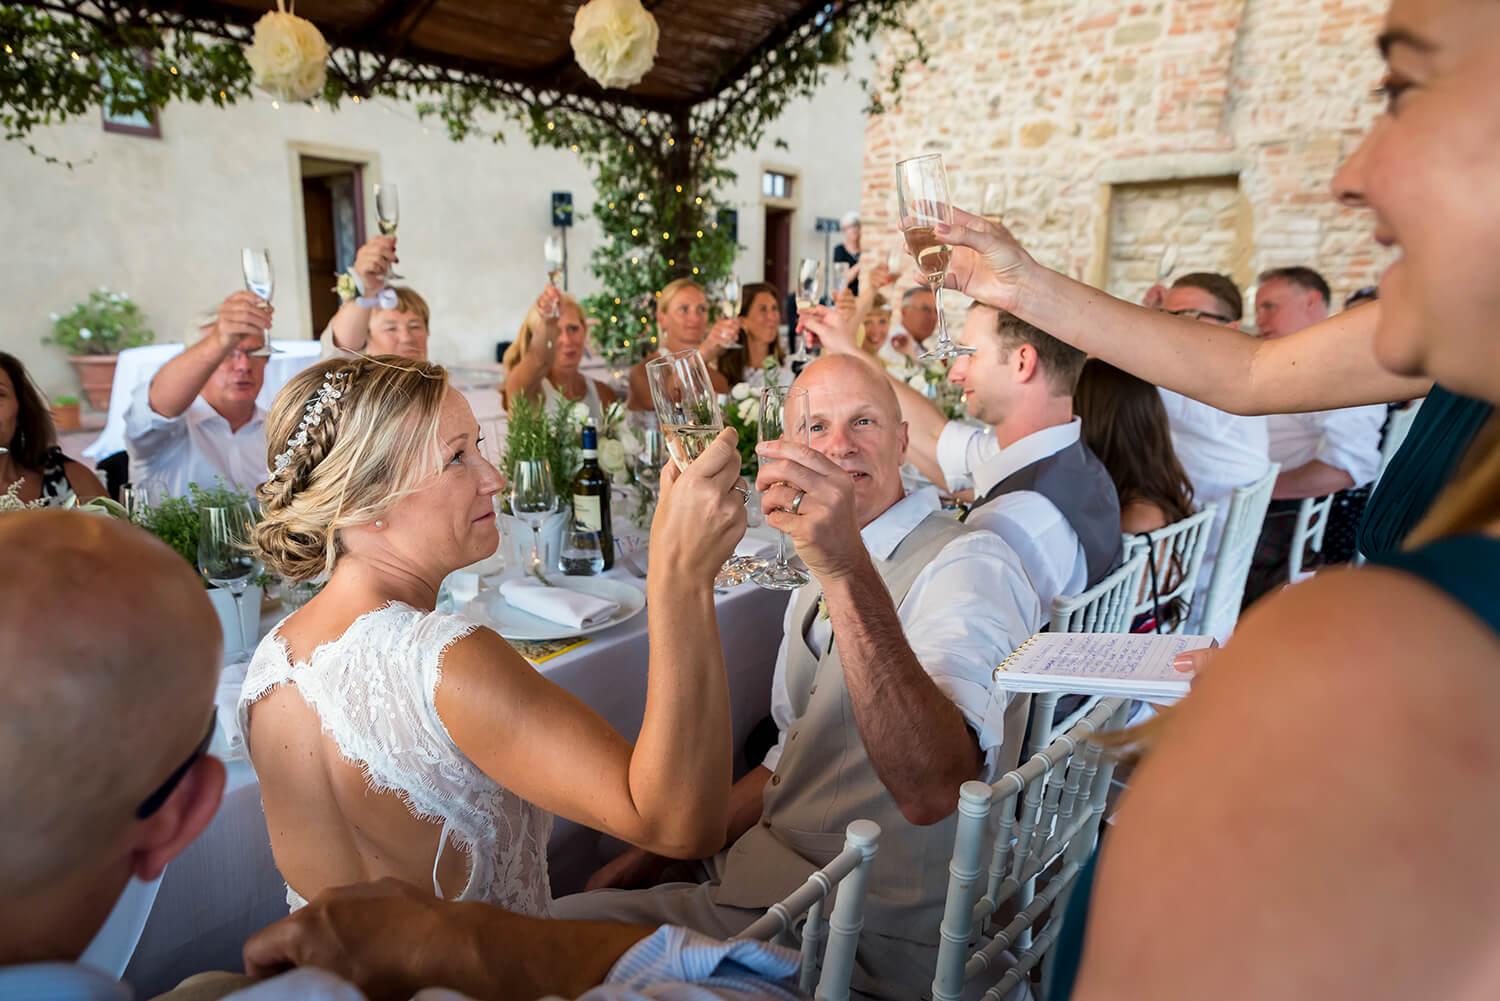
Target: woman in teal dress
1318, 819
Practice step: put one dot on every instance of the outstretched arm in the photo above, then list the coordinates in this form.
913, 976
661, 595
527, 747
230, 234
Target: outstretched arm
242, 322
541, 742
1331, 364
525, 378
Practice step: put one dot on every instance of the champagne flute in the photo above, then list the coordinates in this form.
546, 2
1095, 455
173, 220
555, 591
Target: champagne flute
224, 556
687, 407
552, 253
922, 191
727, 294
653, 454
783, 415
809, 281
255, 265
533, 500
388, 214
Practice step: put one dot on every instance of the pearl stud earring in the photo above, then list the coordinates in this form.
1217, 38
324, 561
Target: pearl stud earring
379, 524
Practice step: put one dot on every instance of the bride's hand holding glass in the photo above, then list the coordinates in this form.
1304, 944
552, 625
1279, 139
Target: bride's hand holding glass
700, 515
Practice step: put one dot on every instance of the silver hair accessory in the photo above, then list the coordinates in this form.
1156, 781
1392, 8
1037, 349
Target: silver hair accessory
312, 417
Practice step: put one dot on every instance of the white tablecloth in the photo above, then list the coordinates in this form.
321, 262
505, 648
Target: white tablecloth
138, 365
226, 886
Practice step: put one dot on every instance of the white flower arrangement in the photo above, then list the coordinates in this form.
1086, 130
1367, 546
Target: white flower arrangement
931, 380
288, 56
614, 41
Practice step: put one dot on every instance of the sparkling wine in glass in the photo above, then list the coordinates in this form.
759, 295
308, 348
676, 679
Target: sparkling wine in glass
533, 499
727, 294
388, 214
255, 265
225, 556
552, 254
783, 415
922, 191
809, 282
687, 407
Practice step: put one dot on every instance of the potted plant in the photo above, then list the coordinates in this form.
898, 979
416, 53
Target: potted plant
93, 333
65, 413
534, 434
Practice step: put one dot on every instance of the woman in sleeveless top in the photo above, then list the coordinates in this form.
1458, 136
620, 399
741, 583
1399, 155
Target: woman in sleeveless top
391, 739
1317, 819
542, 362
32, 464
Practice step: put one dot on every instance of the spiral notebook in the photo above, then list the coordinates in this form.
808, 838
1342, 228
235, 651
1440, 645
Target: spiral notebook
1132, 665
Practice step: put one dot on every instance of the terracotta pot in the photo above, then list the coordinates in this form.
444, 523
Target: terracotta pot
97, 373
65, 416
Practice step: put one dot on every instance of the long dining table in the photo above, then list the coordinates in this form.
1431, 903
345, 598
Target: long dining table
225, 885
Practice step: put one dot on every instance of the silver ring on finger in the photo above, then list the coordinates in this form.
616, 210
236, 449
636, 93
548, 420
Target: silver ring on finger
797, 502
744, 493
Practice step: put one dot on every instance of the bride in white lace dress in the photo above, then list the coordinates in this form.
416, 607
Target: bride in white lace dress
394, 740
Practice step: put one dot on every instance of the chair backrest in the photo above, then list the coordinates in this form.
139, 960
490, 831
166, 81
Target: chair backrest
1177, 552
1226, 588
1396, 429
1312, 522
850, 872
1105, 607
1048, 814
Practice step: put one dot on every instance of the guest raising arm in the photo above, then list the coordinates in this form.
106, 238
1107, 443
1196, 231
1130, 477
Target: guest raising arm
542, 362
198, 419
350, 327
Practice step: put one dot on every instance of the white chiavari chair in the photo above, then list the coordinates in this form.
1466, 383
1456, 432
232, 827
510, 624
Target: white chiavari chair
1105, 607
849, 871
1048, 813
1307, 536
1176, 552
1226, 588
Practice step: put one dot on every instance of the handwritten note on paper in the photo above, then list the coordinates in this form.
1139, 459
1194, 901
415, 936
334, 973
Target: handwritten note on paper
1137, 665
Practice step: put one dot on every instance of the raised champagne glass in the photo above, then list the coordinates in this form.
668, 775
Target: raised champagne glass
687, 406
784, 416
388, 214
809, 283
727, 294
924, 203
255, 266
552, 253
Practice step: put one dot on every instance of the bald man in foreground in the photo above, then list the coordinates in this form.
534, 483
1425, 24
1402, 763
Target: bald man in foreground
882, 701
109, 654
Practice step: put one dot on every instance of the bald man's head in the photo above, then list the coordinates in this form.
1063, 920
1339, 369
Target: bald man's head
109, 656
855, 420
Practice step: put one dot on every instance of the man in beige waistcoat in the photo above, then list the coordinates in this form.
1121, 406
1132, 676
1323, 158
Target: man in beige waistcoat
881, 695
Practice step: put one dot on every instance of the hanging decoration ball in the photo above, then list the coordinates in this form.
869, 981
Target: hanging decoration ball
614, 41
288, 55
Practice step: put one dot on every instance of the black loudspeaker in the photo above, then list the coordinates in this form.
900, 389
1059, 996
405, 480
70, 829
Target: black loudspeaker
562, 208
730, 219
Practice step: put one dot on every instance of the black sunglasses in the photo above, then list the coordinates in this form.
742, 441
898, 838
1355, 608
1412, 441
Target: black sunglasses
153, 802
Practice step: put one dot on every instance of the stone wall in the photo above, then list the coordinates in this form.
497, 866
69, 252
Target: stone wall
1050, 113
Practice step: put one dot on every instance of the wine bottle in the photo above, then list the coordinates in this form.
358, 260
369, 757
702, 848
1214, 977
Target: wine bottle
591, 497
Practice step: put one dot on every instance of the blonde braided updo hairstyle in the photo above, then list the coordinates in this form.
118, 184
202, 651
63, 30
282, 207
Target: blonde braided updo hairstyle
375, 444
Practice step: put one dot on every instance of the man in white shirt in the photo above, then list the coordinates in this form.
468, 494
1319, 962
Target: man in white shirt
1219, 451
884, 705
197, 419
1320, 453
918, 320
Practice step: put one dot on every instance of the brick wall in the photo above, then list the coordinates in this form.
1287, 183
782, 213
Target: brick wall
1049, 112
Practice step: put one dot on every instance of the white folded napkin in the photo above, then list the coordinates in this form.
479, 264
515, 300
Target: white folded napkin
754, 545
562, 605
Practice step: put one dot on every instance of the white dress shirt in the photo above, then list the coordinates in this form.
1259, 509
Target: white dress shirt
168, 453
1219, 452
965, 613
1347, 439
1047, 544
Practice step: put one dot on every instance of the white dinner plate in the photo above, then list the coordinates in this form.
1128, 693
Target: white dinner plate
514, 624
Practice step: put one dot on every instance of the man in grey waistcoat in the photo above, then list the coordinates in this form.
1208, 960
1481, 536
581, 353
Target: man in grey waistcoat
882, 693
1035, 483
